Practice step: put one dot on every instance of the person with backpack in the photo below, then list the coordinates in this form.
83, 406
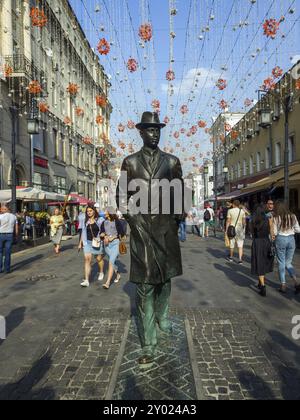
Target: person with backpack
209, 215
235, 230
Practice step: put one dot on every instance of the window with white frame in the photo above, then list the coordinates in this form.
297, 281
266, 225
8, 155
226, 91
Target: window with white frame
245, 167
251, 165
278, 154
258, 161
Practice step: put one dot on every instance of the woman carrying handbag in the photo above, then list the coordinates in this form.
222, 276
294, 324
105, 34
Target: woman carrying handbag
112, 232
91, 243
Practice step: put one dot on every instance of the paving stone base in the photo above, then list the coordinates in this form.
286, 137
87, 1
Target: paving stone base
169, 378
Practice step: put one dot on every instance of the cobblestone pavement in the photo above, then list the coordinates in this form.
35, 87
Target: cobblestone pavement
236, 359
170, 377
79, 362
59, 347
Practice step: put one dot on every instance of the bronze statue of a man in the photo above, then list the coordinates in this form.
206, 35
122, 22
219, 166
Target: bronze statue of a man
155, 249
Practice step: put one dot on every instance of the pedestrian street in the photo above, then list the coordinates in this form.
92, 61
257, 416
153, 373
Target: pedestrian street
65, 342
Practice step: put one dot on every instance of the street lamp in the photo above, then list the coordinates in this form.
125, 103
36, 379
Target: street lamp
33, 126
206, 171
265, 118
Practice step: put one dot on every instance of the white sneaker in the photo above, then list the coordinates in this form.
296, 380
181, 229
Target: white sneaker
85, 283
118, 278
101, 277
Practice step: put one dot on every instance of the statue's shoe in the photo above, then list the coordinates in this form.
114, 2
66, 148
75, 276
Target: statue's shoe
165, 327
146, 360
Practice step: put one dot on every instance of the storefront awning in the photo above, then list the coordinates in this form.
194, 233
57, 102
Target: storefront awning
230, 196
30, 195
274, 180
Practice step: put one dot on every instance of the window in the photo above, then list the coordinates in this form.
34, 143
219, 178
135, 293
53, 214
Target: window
278, 154
40, 140
239, 170
81, 187
245, 167
258, 162
71, 153
268, 157
251, 165
291, 149
60, 184
41, 181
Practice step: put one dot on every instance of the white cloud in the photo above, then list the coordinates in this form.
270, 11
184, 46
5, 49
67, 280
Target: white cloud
195, 80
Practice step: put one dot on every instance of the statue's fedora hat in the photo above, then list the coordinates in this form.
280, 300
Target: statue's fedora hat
150, 119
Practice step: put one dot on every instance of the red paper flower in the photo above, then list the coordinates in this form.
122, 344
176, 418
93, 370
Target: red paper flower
234, 135
43, 107
132, 65
38, 17
202, 124
298, 84
88, 140
67, 121
73, 89
8, 70
223, 104
269, 84
170, 76
166, 120
34, 87
155, 104
99, 120
79, 112
146, 32
176, 135
227, 127
271, 27
277, 72
121, 128
248, 102
131, 125
184, 109
222, 84
101, 101
103, 47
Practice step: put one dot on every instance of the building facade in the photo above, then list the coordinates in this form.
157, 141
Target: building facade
51, 75
255, 148
219, 130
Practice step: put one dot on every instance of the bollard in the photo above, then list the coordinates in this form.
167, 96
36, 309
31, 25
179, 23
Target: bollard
2, 328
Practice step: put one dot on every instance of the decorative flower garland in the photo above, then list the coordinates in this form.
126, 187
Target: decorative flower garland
194, 130
101, 101
132, 65
184, 109
234, 135
277, 72
68, 121
88, 140
43, 107
8, 70
222, 84
38, 17
146, 32
73, 89
166, 120
183, 131
131, 125
223, 104
170, 76
227, 127
269, 84
156, 105
79, 112
103, 47
121, 128
202, 124
298, 84
248, 102
34, 88
271, 27
99, 120
176, 135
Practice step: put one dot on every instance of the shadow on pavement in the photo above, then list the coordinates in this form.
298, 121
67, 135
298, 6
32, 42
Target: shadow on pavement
14, 320
27, 262
23, 388
256, 387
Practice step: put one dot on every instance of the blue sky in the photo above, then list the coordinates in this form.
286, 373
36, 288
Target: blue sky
214, 39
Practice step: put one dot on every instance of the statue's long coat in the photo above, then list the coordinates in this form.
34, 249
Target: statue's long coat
154, 242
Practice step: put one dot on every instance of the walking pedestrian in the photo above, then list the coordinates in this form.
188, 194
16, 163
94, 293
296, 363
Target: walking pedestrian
236, 218
262, 258
57, 229
112, 232
209, 215
286, 226
195, 221
182, 229
8, 227
270, 209
92, 244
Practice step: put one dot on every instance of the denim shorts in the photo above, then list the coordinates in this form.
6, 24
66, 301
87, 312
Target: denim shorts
88, 249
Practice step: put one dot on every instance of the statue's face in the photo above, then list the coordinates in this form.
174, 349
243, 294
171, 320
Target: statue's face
151, 137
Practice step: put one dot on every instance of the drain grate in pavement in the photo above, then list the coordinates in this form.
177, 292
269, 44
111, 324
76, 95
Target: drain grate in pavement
41, 277
170, 377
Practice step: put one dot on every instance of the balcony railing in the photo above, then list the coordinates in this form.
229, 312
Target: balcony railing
22, 67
